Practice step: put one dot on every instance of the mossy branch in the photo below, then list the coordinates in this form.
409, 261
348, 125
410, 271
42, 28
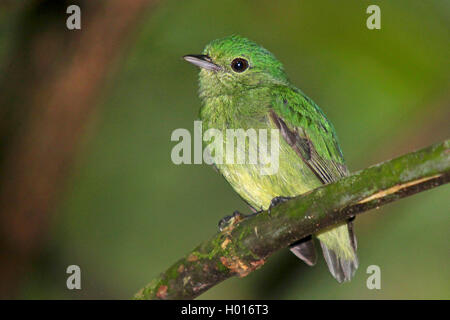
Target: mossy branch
245, 245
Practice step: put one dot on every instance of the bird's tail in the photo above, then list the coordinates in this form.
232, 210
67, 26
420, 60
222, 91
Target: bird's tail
339, 250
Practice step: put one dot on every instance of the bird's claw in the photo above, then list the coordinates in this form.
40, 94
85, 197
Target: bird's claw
230, 220
276, 201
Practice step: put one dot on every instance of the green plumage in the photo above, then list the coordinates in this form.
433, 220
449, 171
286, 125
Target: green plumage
261, 97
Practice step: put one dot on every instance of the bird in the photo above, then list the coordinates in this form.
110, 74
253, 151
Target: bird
244, 86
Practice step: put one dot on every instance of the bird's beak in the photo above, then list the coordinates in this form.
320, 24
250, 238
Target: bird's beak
202, 61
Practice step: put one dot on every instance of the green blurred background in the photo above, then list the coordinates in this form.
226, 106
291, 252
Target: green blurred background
128, 212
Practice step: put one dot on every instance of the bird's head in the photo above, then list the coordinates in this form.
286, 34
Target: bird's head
233, 64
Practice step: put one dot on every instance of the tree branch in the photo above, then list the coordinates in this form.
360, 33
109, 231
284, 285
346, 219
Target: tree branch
245, 245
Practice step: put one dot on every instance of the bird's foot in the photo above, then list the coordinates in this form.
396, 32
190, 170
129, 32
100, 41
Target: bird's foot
276, 201
235, 218
231, 220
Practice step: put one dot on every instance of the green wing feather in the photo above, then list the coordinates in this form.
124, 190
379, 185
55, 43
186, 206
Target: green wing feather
305, 127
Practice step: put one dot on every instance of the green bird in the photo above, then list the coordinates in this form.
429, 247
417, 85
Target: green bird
243, 86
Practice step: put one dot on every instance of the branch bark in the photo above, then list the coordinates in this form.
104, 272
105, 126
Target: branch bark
245, 245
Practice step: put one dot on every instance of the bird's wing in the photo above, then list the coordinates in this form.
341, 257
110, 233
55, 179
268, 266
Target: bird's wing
306, 129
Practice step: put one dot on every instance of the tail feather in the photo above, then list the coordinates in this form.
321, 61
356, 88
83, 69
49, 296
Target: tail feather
339, 250
351, 233
305, 250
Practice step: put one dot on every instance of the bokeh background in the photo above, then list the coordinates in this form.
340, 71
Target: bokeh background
124, 212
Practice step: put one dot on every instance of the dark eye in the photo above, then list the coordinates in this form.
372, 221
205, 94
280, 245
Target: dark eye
239, 65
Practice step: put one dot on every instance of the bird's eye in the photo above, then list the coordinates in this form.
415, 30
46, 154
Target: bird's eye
239, 65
